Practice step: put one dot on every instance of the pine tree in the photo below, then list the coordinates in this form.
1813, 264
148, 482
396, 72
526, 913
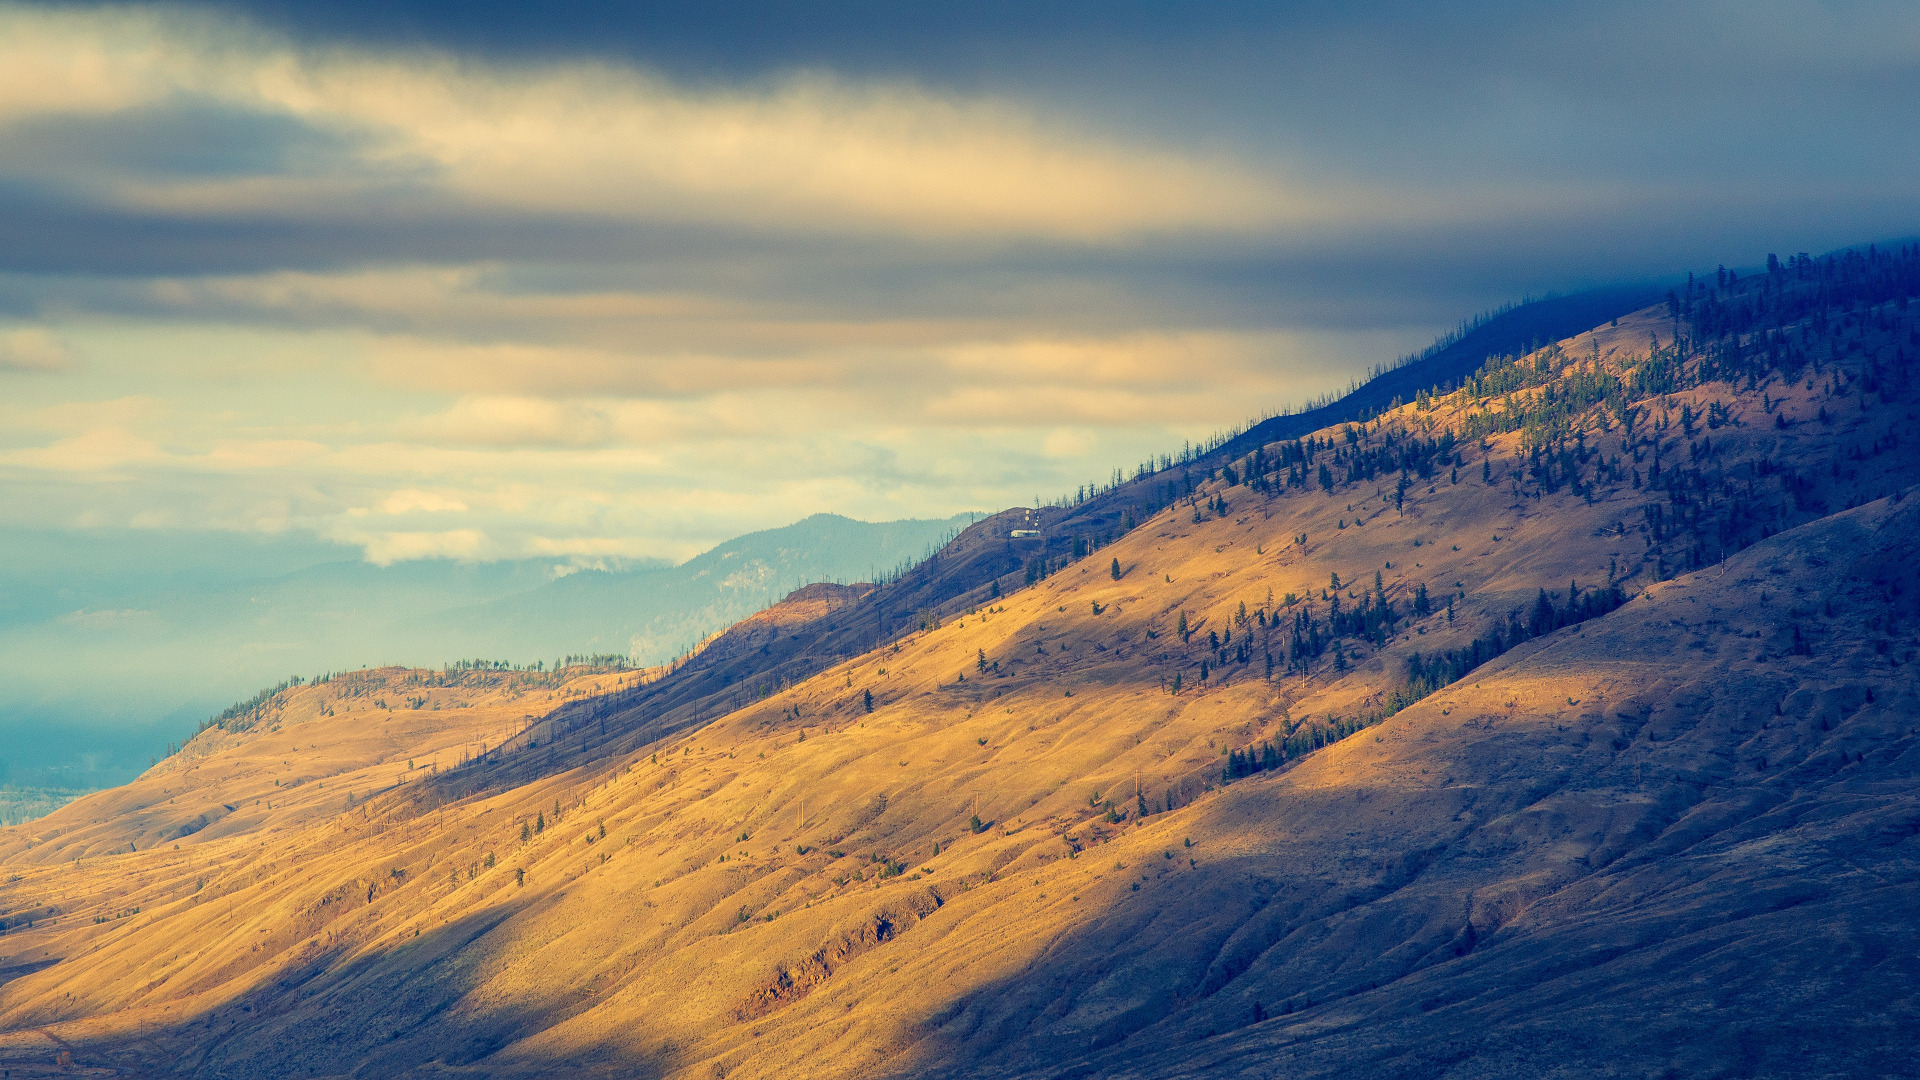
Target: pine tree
1116, 568
869, 700
1543, 616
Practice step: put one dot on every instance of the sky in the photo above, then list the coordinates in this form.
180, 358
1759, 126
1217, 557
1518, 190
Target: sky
610, 280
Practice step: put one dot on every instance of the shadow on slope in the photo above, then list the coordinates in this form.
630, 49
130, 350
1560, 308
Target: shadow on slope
1659, 844
420, 1006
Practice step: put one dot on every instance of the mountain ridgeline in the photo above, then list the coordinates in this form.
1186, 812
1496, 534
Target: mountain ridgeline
1543, 709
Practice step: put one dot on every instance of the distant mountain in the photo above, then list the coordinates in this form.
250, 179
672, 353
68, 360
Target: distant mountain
118, 642
655, 613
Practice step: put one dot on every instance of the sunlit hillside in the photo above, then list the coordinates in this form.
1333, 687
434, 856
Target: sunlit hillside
1513, 728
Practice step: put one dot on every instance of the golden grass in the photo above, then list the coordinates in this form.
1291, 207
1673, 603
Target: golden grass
796, 888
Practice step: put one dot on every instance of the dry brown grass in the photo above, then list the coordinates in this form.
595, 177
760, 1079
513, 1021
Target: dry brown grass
795, 889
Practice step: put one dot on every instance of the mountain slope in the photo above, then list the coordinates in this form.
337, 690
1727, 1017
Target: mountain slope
1685, 807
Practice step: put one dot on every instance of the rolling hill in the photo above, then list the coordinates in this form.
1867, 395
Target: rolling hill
1557, 721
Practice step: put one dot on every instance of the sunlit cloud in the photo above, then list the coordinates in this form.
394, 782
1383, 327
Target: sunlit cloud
428, 502
31, 349
806, 153
387, 548
478, 306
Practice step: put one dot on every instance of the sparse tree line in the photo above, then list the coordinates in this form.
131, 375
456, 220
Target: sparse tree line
1427, 673
461, 674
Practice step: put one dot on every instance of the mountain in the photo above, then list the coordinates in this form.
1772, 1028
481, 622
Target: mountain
147, 632
1558, 722
656, 613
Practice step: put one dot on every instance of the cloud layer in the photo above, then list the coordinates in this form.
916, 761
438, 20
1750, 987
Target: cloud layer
624, 286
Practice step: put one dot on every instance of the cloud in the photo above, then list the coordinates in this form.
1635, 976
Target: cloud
415, 131
425, 502
516, 421
1069, 443
33, 349
555, 302
387, 548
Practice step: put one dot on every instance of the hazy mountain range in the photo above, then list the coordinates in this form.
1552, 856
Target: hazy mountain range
121, 641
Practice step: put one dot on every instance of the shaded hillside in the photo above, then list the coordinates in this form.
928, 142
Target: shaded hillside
1559, 725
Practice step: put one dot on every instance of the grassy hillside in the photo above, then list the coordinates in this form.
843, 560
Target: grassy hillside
1557, 724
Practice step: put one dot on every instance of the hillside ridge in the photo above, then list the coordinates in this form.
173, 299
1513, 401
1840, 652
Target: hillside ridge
1509, 732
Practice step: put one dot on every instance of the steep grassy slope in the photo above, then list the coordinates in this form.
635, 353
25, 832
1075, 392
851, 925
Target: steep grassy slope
1695, 812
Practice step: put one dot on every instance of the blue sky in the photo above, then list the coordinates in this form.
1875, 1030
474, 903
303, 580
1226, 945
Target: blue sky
604, 280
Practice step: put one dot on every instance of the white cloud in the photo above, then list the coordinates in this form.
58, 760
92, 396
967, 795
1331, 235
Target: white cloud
33, 349
425, 502
516, 421
387, 548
